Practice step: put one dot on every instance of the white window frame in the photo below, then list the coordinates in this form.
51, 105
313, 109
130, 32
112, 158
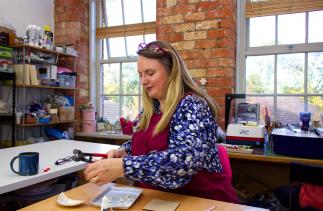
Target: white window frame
243, 51
97, 62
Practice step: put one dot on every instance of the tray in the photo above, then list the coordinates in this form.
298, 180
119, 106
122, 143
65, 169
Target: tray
119, 197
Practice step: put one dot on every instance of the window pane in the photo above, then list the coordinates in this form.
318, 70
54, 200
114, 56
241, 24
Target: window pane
290, 73
132, 44
262, 31
315, 73
150, 37
117, 47
315, 29
114, 12
130, 78
288, 109
130, 107
315, 106
111, 78
132, 11
104, 49
264, 102
111, 108
149, 7
260, 74
291, 28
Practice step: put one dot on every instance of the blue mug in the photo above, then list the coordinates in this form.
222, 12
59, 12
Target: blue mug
28, 163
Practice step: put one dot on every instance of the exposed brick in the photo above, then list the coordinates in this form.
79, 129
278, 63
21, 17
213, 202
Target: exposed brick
170, 3
164, 29
228, 23
197, 16
207, 24
184, 27
71, 27
208, 5
195, 35
164, 12
220, 72
221, 82
172, 37
226, 42
182, 2
207, 43
198, 72
223, 52
196, 54
184, 9
83, 78
218, 91
219, 33
227, 62
193, 1
173, 19
184, 45
219, 13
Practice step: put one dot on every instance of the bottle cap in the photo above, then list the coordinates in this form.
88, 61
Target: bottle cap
46, 28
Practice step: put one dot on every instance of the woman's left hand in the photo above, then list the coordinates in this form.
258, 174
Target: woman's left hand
104, 171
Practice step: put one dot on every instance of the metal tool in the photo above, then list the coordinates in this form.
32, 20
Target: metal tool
78, 155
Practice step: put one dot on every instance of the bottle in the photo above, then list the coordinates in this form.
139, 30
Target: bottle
105, 203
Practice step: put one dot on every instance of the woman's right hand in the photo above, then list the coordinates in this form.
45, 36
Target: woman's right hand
117, 153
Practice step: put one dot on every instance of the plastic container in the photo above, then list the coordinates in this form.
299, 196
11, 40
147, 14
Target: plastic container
88, 114
89, 126
66, 81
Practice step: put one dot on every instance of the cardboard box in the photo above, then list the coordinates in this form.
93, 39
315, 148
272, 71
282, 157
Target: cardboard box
66, 113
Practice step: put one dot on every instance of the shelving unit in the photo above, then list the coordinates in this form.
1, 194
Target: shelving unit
10, 117
28, 93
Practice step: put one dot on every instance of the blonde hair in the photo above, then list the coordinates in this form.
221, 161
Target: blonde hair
179, 82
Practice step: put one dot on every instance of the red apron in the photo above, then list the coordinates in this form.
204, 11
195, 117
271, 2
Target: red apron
204, 184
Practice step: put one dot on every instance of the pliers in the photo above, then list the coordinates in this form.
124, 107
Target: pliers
78, 155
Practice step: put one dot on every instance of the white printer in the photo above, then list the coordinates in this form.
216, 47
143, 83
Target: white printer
245, 134
245, 130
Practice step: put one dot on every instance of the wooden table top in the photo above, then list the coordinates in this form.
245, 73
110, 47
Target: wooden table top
89, 191
273, 158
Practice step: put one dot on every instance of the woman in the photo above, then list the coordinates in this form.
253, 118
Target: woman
174, 148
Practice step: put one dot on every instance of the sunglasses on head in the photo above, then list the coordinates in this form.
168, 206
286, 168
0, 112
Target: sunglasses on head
152, 47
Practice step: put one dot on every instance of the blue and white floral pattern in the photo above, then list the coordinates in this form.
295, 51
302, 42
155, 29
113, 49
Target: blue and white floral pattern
192, 147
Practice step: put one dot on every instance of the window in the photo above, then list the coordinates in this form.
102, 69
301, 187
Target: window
280, 48
121, 26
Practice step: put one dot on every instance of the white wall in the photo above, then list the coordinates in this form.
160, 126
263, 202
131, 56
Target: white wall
20, 13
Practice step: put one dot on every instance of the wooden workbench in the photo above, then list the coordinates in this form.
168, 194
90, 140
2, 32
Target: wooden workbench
89, 191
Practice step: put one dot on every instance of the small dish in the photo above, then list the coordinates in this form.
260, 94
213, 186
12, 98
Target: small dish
63, 200
118, 197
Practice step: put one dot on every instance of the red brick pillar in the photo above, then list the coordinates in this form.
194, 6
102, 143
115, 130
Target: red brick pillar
204, 32
72, 27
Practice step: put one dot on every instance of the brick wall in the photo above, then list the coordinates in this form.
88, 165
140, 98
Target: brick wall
72, 27
204, 32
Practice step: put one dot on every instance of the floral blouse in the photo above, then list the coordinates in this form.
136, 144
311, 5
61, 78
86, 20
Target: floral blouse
192, 147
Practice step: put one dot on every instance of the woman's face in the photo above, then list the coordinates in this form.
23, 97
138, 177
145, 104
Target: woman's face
154, 77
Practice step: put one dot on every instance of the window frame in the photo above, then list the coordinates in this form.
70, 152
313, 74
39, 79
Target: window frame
243, 51
107, 32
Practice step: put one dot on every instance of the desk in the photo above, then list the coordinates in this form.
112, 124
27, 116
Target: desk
270, 170
103, 137
89, 191
49, 152
273, 158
